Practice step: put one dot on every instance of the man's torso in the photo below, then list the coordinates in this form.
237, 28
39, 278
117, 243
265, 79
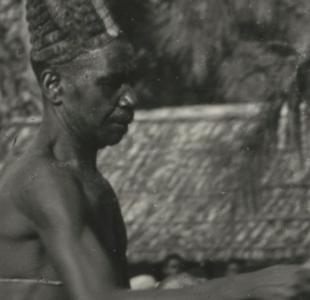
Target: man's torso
22, 254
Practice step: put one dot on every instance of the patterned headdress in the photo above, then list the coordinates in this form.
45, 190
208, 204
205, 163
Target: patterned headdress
63, 29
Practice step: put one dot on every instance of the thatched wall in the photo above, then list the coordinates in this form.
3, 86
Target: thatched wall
190, 180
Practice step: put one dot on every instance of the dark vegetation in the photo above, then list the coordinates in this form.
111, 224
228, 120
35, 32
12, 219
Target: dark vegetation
190, 52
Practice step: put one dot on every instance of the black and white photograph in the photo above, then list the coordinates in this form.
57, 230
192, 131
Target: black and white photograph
154, 150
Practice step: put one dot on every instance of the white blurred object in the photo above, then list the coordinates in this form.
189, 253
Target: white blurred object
180, 281
143, 282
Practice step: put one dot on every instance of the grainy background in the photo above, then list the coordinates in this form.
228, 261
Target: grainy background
230, 179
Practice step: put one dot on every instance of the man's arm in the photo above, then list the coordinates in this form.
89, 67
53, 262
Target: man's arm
54, 203
84, 267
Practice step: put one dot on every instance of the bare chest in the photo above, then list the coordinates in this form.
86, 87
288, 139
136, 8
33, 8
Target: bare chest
103, 214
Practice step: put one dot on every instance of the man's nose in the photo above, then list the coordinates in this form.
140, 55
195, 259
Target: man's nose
128, 97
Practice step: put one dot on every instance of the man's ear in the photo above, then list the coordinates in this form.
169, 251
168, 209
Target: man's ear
51, 86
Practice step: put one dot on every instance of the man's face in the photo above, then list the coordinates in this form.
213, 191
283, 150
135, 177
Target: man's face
98, 101
172, 267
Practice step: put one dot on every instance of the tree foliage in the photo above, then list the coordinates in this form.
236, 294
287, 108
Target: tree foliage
190, 51
18, 96
206, 51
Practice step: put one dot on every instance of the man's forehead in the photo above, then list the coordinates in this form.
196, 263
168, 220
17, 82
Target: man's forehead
106, 61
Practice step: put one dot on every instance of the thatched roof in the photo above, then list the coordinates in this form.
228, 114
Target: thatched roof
189, 183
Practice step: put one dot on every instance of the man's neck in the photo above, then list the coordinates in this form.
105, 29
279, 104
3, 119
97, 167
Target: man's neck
66, 146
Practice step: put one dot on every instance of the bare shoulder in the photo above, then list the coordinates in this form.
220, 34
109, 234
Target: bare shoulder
48, 192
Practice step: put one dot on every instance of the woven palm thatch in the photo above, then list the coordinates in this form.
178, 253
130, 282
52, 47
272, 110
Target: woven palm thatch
255, 58
189, 183
185, 179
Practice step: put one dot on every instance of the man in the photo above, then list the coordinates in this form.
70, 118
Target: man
174, 273
62, 235
173, 265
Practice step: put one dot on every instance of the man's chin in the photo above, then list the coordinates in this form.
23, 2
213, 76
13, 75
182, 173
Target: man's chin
113, 139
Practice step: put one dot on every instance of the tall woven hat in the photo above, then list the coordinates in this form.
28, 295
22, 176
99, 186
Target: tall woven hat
61, 30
